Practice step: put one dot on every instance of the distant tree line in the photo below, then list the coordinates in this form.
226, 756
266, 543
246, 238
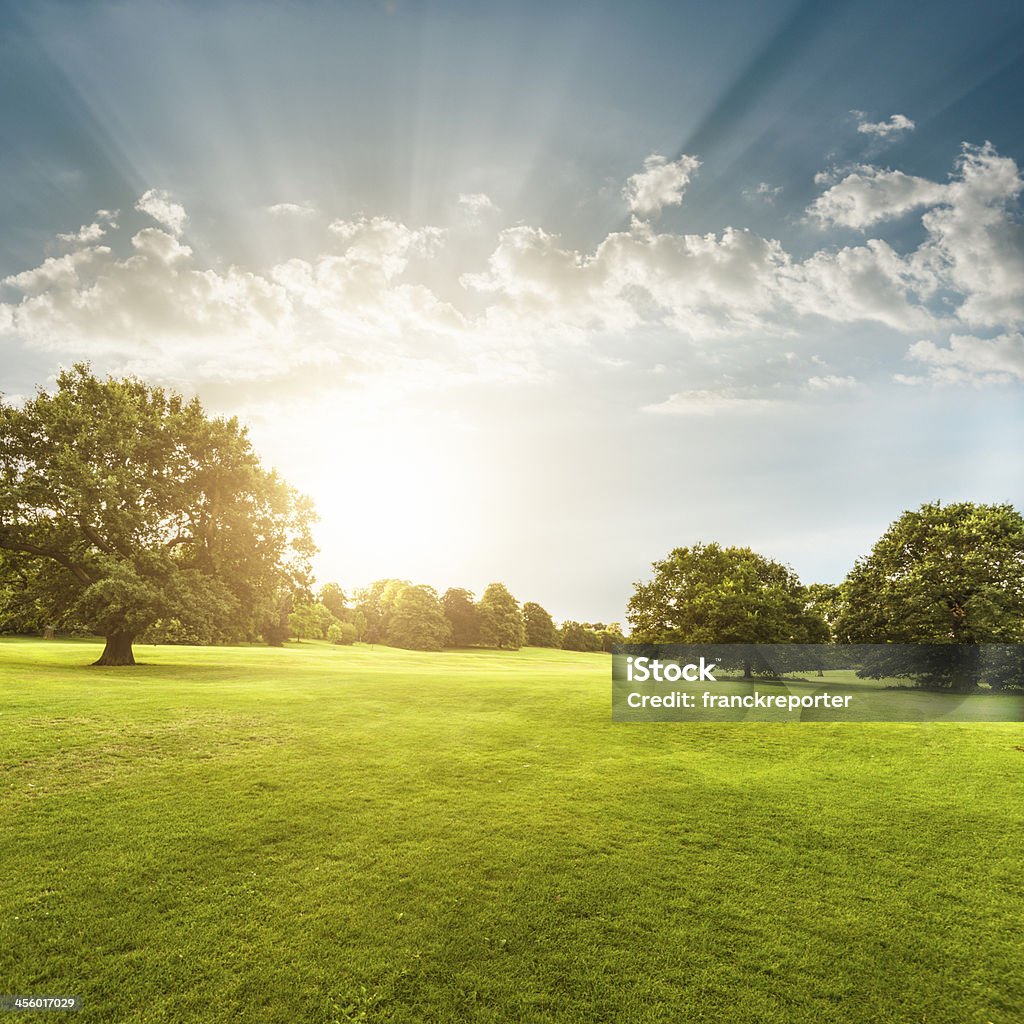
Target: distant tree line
402, 614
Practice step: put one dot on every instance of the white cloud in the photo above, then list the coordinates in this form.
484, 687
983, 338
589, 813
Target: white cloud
89, 233
155, 305
158, 204
661, 183
974, 245
55, 273
970, 359
291, 209
163, 313
85, 235
866, 282
976, 239
831, 382
896, 125
476, 204
382, 291
869, 195
970, 266
713, 403
697, 284
763, 191
384, 244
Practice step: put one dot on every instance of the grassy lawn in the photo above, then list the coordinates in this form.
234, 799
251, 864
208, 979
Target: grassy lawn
322, 834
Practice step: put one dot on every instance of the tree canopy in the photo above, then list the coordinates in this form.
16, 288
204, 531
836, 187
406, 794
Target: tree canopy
310, 620
376, 605
501, 621
418, 621
939, 575
540, 627
709, 594
463, 616
123, 505
332, 597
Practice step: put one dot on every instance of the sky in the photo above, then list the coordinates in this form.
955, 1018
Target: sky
538, 292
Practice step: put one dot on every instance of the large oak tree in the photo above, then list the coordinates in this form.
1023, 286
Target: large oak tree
123, 505
940, 586
709, 594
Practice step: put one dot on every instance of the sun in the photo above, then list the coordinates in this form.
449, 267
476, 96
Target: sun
396, 493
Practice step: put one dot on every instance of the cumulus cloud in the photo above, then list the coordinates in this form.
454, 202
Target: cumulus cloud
85, 235
896, 125
707, 284
89, 233
158, 204
969, 359
713, 403
661, 183
831, 382
378, 292
974, 245
161, 311
969, 268
763, 191
976, 240
387, 244
866, 282
291, 209
869, 195
476, 204
155, 300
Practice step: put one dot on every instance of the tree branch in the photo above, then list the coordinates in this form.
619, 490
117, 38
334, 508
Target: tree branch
93, 535
32, 549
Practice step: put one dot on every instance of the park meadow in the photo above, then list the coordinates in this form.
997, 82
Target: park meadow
331, 834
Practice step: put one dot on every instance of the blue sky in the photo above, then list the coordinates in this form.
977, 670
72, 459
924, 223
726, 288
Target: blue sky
539, 292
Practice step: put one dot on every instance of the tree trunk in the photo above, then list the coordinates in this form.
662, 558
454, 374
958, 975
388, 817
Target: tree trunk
968, 668
746, 668
118, 650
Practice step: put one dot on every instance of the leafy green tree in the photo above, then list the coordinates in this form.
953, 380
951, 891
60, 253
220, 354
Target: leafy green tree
134, 506
342, 633
310, 620
418, 621
275, 634
576, 636
19, 610
609, 635
333, 598
355, 618
463, 616
940, 575
825, 600
540, 627
501, 621
376, 604
707, 594
275, 630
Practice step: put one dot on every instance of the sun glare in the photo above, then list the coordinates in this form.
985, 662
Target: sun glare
394, 497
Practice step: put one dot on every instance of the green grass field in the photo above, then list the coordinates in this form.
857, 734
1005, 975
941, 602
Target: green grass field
322, 834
